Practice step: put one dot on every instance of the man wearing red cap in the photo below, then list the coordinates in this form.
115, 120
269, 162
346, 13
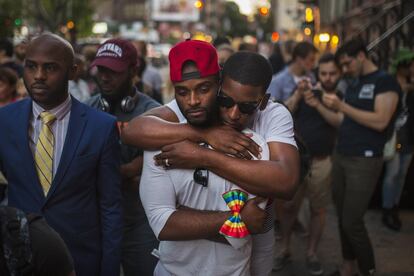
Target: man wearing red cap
196, 92
116, 61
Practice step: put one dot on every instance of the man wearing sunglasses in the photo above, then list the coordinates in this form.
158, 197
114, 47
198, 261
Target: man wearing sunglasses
268, 178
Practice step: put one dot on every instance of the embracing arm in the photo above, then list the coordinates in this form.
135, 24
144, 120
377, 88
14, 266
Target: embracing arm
189, 224
159, 127
274, 178
168, 222
156, 128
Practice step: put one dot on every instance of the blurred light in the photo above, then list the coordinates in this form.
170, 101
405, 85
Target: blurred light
70, 24
275, 37
249, 39
24, 31
17, 22
324, 37
175, 34
186, 35
299, 37
100, 28
199, 36
63, 29
335, 39
264, 11
316, 40
198, 4
308, 15
307, 31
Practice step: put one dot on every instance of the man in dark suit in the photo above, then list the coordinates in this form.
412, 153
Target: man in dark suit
61, 159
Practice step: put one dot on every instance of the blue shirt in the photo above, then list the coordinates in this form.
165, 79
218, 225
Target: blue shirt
283, 84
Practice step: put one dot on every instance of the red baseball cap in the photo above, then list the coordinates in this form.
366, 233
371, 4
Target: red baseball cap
116, 54
203, 54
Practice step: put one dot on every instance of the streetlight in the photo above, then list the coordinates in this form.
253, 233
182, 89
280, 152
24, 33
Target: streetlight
324, 37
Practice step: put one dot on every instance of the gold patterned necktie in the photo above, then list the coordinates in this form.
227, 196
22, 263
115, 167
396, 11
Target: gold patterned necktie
44, 151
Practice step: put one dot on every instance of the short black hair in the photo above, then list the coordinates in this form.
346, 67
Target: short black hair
221, 40
9, 76
7, 46
248, 68
326, 58
351, 48
303, 49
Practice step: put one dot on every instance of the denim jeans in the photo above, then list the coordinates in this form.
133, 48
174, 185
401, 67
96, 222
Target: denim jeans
394, 179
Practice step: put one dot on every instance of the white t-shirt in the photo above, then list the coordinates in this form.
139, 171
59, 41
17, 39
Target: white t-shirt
162, 190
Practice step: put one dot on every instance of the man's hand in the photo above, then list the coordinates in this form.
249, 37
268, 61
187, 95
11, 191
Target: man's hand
230, 141
253, 216
303, 85
183, 155
310, 99
332, 101
293, 101
132, 169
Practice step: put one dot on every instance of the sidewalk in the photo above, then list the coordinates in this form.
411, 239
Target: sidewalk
394, 251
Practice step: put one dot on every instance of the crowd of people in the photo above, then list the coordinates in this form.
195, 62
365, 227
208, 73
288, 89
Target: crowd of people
100, 177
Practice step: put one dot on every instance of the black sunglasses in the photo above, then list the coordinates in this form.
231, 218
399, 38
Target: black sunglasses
200, 176
244, 107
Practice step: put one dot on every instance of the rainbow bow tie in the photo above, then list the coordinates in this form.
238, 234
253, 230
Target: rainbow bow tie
234, 227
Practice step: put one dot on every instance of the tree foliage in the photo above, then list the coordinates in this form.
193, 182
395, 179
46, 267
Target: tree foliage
236, 23
52, 14
10, 10
48, 15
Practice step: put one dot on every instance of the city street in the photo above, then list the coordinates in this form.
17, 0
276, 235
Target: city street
393, 251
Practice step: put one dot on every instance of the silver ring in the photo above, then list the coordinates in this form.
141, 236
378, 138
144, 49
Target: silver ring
166, 163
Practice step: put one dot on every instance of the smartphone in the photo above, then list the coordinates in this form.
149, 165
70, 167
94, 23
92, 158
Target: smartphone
317, 93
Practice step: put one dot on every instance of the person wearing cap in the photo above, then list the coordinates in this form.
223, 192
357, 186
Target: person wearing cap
397, 167
116, 61
272, 178
61, 160
185, 248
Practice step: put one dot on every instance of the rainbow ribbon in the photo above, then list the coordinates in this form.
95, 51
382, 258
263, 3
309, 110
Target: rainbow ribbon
234, 227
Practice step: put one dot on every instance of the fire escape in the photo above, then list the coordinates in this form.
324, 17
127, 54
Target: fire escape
388, 26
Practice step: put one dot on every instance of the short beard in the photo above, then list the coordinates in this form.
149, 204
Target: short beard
331, 88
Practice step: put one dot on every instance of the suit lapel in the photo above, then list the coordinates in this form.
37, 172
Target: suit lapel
23, 119
74, 133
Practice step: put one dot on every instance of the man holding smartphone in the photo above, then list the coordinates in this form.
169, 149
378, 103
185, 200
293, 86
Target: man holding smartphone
319, 135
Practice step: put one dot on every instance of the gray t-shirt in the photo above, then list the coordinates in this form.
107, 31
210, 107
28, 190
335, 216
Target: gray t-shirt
284, 83
133, 211
144, 104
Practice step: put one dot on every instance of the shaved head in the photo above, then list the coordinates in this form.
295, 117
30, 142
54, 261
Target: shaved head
48, 66
55, 43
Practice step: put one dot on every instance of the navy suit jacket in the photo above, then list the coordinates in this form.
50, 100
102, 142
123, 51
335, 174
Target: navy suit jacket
84, 202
